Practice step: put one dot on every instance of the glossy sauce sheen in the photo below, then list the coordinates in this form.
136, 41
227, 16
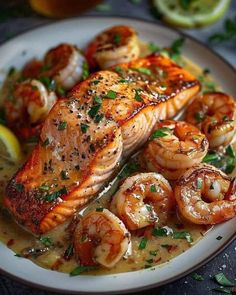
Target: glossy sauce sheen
158, 250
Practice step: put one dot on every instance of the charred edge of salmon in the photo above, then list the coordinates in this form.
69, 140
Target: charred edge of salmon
31, 207
196, 171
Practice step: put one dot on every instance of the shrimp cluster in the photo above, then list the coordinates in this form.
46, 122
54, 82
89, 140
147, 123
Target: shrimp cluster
174, 147
215, 115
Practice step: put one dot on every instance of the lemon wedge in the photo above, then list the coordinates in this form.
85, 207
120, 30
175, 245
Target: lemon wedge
191, 13
10, 148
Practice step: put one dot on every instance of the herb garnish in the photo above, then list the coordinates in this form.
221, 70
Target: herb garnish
94, 110
62, 125
11, 71
69, 252
53, 196
49, 83
84, 127
160, 232
161, 132
229, 32
183, 235
219, 238
104, 7
153, 188
143, 243
199, 116
64, 175
128, 169
33, 139
117, 38
118, 69
97, 99
46, 241
100, 209
197, 277
19, 187
85, 70
46, 142
142, 70
153, 253
98, 118
82, 268
137, 95
111, 94
153, 47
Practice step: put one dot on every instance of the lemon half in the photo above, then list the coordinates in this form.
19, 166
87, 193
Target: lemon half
191, 13
10, 148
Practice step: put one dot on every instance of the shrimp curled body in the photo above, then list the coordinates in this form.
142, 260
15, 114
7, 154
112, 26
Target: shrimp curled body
30, 104
64, 63
205, 195
101, 238
215, 114
176, 147
118, 44
141, 198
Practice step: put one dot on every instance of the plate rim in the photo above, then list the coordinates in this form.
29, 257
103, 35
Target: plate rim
27, 282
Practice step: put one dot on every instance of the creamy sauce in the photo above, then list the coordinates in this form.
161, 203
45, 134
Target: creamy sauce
159, 249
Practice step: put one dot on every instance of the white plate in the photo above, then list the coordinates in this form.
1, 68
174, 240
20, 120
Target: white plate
80, 31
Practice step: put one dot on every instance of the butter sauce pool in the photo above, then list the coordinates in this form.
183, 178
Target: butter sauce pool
54, 250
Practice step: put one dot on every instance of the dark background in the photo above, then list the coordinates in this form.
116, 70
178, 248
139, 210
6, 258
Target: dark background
16, 17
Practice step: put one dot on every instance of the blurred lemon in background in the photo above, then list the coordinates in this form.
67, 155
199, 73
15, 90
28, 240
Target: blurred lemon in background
191, 13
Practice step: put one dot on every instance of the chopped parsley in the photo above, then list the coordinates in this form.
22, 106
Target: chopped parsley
153, 47
82, 268
97, 100
160, 232
128, 169
53, 196
64, 175
228, 33
84, 127
197, 277
153, 188
33, 139
46, 241
61, 91
161, 132
143, 70
49, 83
143, 243
95, 82
99, 209
69, 252
19, 187
117, 38
98, 118
118, 69
199, 116
62, 125
153, 253
219, 238
46, 142
137, 95
199, 183
44, 187
111, 94
85, 70
183, 235
11, 71
94, 110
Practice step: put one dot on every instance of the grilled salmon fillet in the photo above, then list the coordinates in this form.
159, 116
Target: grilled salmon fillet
84, 137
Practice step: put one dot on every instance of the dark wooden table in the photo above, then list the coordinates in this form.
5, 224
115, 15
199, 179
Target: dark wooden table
18, 19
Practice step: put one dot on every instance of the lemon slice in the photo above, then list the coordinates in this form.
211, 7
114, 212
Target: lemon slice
10, 148
191, 13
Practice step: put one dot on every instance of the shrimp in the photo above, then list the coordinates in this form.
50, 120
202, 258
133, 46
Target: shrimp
205, 195
174, 147
215, 115
64, 63
141, 198
118, 44
28, 104
101, 238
